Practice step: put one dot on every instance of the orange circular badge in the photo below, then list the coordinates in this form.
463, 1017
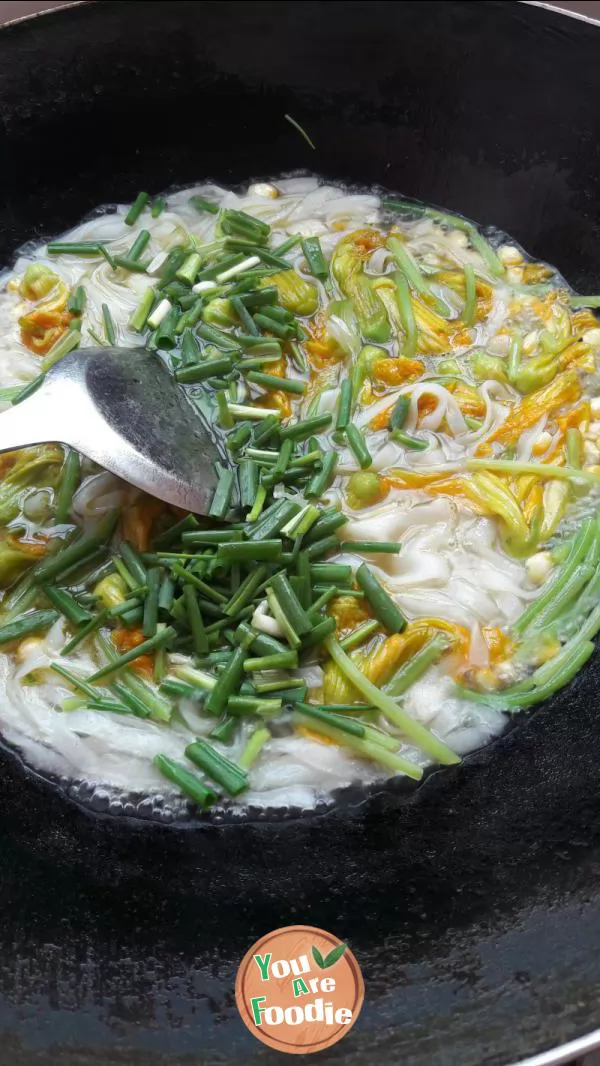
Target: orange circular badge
299, 989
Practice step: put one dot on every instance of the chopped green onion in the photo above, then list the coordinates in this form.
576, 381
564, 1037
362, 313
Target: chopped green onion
422, 737
65, 344
69, 480
145, 648
221, 501
358, 446
359, 635
136, 208
34, 622
382, 605
186, 781
470, 307
109, 325
231, 777
67, 605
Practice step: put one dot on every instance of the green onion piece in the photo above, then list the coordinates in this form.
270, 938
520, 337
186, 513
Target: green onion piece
289, 603
228, 683
407, 315
367, 747
584, 301
344, 405
139, 245
400, 412
54, 565
383, 607
564, 473
81, 248
285, 625
231, 777
34, 622
201, 204
286, 660
280, 329
225, 729
151, 602
259, 503
269, 381
321, 547
89, 627
65, 344
67, 605
133, 563
246, 592
136, 208
174, 532
140, 315
315, 259
134, 266
321, 481
158, 206
250, 551
487, 253
415, 444
564, 596
410, 269
109, 325
254, 745
186, 781
358, 446
302, 430
188, 270
76, 302
382, 547
325, 628
468, 315
69, 480
221, 501
422, 737
579, 550
359, 635
244, 316
346, 725
574, 447
416, 666
192, 375
195, 620
159, 640
208, 590
248, 479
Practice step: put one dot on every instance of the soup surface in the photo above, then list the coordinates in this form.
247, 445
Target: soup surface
402, 548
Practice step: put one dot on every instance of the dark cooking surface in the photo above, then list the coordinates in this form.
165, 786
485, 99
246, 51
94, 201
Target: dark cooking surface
473, 907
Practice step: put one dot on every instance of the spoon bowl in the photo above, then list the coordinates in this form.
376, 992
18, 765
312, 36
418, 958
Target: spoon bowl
122, 408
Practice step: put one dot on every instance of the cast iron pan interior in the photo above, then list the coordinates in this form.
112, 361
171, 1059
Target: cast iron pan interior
472, 905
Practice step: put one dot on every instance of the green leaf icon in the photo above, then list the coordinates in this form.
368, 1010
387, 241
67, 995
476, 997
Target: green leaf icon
316, 954
334, 955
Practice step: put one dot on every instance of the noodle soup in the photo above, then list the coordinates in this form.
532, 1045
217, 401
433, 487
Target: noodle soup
402, 547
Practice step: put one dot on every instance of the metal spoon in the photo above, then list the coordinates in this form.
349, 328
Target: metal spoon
122, 408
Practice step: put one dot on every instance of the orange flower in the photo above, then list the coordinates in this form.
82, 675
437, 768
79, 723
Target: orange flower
397, 371
126, 639
139, 519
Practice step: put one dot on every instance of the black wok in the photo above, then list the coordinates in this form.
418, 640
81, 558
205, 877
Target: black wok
471, 904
